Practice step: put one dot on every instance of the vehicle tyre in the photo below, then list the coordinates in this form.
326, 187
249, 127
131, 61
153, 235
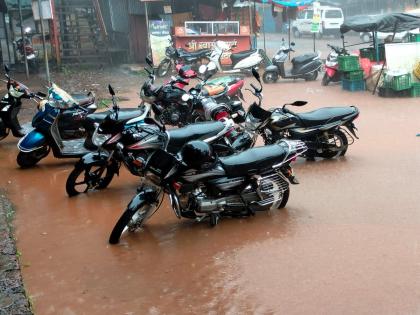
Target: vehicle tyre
285, 199
340, 150
296, 33
311, 76
29, 159
164, 67
325, 80
318, 35
270, 77
99, 178
33, 66
131, 221
365, 37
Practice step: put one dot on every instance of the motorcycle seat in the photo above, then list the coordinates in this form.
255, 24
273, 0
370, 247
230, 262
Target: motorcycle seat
124, 115
199, 131
326, 115
241, 55
304, 58
253, 161
83, 100
214, 89
194, 54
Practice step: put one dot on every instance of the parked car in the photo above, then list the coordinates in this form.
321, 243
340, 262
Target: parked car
331, 20
399, 37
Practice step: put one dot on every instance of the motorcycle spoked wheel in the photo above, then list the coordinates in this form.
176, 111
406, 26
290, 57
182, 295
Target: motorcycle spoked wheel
164, 68
270, 77
130, 222
337, 145
29, 159
325, 80
83, 179
311, 76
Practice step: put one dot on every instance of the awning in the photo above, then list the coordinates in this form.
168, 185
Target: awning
386, 23
282, 3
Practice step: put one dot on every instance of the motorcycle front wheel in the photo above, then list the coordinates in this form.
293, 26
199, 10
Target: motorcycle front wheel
325, 80
29, 159
82, 179
312, 76
164, 67
131, 221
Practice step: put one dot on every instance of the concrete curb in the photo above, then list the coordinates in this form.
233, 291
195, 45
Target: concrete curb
13, 299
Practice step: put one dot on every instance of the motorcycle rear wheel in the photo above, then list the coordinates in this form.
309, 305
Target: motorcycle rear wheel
131, 221
164, 67
29, 159
338, 137
100, 178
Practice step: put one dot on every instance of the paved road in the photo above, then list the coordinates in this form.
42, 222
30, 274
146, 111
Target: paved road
347, 242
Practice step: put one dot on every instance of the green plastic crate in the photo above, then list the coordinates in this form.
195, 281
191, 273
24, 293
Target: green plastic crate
353, 75
368, 53
399, 83
414, 38
348, 63
415, 89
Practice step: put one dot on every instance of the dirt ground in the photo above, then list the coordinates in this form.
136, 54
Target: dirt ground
347, 242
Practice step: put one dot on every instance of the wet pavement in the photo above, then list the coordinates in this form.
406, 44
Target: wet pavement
347, 242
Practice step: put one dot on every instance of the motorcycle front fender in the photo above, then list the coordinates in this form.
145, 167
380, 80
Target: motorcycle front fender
97, 159
32, 141
271, 68
147, 195
330, 71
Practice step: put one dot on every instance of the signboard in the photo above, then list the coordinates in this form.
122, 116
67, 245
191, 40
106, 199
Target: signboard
402, 56
46, 10
316, 19
159, 37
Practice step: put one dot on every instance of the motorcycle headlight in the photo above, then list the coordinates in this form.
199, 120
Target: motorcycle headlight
98, 139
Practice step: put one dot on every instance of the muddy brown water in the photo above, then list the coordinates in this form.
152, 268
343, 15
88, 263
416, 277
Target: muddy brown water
347, 242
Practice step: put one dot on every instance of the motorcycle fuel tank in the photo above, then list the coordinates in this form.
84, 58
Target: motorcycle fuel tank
280, 120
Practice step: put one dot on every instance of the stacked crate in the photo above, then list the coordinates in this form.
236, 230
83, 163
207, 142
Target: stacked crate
352, 79
396, 85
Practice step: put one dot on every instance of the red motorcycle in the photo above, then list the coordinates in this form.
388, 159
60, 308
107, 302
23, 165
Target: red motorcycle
332, 74
25, 45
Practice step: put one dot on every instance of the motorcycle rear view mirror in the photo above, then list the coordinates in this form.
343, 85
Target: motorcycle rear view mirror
149, 61
298, 103
256, 74
292, 44
202, 69
111, 90
185, 97
41, 94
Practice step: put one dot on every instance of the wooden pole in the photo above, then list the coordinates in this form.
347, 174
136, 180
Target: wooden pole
55, 33
41, 19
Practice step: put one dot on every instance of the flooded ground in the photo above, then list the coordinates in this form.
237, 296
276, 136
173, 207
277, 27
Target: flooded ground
347, 242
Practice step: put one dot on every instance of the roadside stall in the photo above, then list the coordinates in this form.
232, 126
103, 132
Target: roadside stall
393, 67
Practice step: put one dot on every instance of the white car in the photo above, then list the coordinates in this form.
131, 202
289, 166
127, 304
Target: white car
331, 20
399, 37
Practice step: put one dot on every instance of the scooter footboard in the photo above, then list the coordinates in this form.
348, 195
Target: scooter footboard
32, 141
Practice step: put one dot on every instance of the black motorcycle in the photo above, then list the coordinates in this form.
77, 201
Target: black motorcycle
304, 67
131, 144
327, 132
176, 56
202, 186
11, 104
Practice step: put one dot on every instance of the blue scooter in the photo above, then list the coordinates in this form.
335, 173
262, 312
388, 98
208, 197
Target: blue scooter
51, 125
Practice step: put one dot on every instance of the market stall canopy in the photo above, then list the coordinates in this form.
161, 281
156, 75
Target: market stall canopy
387, 23
284, 3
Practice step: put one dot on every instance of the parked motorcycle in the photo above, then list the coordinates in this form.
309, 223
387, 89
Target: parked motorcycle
167, 100
201, 185
25, 44
327, 132
332, 73
122, 144
304, 66
11, 104
242, 62
175, 56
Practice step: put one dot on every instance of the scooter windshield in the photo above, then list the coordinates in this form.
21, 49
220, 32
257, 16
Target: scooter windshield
60, 98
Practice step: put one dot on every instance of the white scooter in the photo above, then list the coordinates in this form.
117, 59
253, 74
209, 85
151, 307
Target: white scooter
243, 61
